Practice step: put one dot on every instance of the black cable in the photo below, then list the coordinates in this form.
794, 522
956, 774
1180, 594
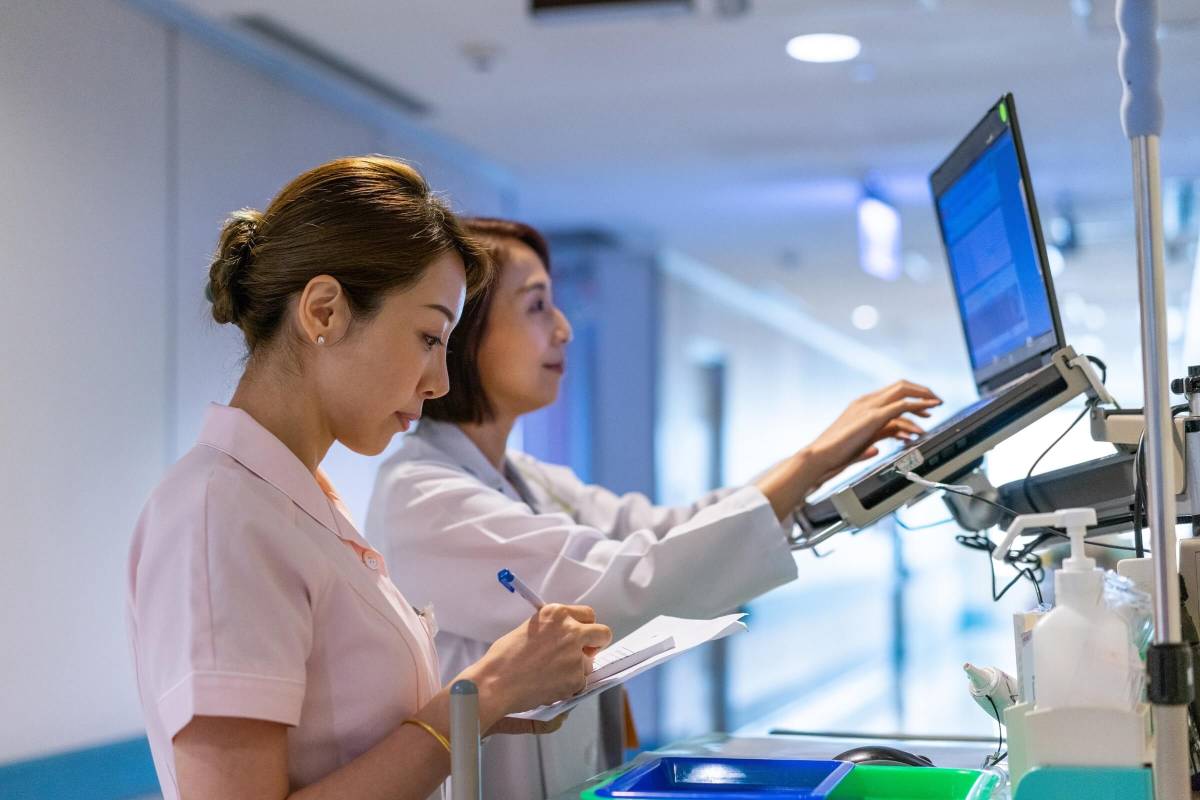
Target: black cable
1025, 483
1032, 571
1051, 531
1139, 480
1139, 496
1032, 568
995, 758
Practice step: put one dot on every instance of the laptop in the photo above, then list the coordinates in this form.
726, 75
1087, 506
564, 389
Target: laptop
1004, 297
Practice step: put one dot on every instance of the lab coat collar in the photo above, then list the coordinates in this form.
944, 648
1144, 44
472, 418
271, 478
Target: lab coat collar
449, 439
242, 438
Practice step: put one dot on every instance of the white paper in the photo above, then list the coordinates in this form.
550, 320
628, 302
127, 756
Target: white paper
687, 633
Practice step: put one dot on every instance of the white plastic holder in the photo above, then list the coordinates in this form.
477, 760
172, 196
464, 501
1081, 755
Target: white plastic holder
1076, 737
1088, 737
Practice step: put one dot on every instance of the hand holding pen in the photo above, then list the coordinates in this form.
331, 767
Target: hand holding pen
544, 659
515, 585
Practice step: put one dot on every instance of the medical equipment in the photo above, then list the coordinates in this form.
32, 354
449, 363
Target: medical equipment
1022, 366
993, 689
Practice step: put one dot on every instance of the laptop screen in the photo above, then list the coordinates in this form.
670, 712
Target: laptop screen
993, 243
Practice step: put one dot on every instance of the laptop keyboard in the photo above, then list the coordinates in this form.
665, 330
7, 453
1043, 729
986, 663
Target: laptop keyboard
945, 424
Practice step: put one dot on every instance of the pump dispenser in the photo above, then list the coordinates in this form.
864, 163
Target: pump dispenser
1082, 653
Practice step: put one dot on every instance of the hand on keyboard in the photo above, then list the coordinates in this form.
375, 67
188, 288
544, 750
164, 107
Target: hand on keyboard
855, 435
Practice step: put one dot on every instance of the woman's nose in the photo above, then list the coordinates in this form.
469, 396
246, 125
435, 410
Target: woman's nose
563, 331
437, 381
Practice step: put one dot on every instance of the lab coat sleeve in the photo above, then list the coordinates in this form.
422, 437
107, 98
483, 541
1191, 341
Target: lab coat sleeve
446, 536
618, 515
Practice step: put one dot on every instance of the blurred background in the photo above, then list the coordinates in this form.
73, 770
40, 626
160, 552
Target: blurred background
744, 241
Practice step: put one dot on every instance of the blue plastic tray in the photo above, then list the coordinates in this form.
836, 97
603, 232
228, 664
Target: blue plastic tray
691, 778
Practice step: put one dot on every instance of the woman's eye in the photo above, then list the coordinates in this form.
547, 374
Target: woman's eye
430, 341
539, 305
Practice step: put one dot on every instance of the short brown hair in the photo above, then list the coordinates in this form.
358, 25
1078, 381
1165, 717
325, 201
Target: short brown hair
467, 400
369, 222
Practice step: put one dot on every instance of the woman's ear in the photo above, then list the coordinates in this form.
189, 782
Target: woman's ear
323, 312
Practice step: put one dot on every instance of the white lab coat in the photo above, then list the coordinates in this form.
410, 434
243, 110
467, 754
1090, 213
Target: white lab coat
447, 520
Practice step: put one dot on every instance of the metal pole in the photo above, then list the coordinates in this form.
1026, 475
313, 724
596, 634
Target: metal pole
1168, 662
464, 741
1155, 380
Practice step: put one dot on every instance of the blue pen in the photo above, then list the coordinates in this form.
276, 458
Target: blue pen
514, 584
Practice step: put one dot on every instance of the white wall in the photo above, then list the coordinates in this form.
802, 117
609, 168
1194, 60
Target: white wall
82, 244
123, 144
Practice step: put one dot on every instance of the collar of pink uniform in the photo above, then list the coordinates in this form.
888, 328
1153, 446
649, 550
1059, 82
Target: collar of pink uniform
242, 438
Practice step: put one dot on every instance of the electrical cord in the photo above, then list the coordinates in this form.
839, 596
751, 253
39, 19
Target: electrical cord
1088, 407
1030, 564
1139, 496
1025, 483
1054, 532
1000, 753
1139, 481
1031, 571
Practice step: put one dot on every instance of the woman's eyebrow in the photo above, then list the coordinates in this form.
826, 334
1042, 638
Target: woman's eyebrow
439, 307
533, 287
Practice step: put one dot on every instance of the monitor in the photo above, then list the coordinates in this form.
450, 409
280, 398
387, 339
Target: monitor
993, 240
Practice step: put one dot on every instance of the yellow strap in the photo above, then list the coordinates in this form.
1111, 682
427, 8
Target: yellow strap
425, 726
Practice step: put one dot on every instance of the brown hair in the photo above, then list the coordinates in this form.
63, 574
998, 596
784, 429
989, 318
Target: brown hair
369, 222
467, 401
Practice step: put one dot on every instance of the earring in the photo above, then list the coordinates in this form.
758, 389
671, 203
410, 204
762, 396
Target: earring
320, 340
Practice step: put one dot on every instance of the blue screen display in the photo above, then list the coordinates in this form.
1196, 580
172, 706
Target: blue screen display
997, 275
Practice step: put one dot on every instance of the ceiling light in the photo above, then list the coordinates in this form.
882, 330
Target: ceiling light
879, 238
823, 48
864, 317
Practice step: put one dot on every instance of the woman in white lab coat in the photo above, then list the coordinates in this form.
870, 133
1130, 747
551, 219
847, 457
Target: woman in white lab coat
452, 506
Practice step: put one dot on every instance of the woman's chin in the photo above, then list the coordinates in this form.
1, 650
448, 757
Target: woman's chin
369, 446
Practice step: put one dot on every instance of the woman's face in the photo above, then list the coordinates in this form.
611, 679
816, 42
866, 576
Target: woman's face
522, 353
374, 381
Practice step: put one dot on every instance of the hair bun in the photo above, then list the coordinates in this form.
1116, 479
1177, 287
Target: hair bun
235, 253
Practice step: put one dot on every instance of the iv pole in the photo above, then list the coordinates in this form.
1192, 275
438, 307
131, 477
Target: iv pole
1168, 661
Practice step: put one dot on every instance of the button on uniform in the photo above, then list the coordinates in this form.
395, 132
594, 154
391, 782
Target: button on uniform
371, 559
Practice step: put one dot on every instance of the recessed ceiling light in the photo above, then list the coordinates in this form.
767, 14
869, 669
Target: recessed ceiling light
864, 317
823, 48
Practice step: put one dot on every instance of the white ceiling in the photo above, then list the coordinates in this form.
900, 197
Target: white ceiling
699, 131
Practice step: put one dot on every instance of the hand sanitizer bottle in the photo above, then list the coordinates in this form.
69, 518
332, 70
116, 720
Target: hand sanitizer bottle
1082, 654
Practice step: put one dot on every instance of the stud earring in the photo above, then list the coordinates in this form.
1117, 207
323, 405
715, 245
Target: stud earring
320, 340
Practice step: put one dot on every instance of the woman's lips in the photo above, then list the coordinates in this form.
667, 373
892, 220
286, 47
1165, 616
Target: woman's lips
406, 420
559, 368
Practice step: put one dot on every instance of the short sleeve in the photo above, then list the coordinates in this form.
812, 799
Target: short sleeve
223, 603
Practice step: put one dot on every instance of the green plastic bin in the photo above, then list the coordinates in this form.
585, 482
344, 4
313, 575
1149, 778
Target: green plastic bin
867, 782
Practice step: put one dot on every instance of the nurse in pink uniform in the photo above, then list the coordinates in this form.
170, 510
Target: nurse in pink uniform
274, 656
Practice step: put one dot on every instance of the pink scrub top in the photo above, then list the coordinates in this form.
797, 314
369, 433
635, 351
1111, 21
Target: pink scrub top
252, 595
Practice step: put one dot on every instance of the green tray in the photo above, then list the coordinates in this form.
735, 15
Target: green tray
590, 792
866, 782
890, 783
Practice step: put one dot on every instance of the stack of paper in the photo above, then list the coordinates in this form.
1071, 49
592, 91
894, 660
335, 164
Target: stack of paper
656, 642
